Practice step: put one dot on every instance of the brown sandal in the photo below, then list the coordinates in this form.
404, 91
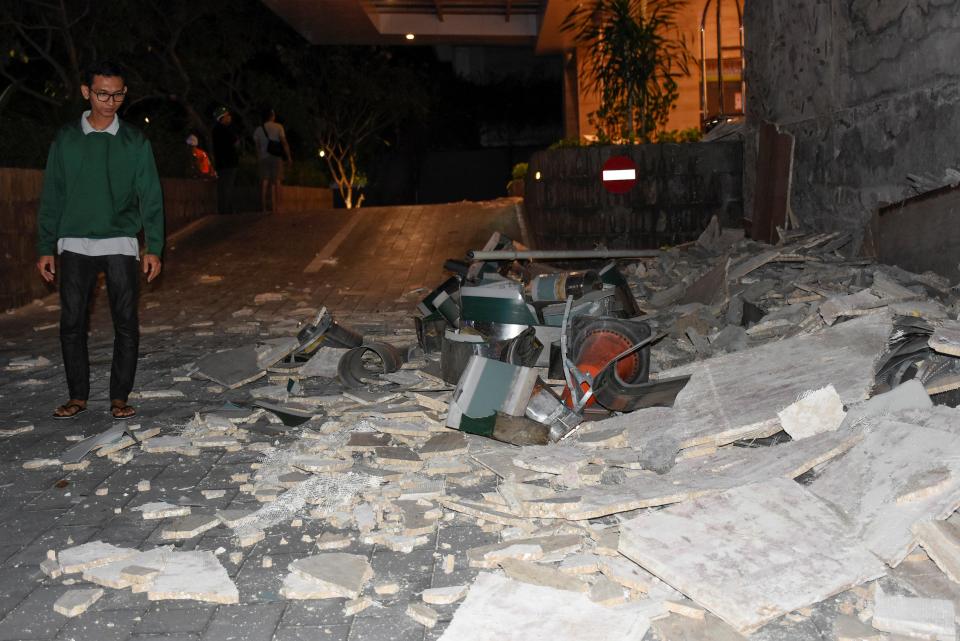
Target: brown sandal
69, 410
122, 411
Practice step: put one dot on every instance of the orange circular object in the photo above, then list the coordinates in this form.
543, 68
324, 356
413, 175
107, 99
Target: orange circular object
596, 350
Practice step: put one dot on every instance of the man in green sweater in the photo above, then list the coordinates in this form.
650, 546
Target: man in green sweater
100, 188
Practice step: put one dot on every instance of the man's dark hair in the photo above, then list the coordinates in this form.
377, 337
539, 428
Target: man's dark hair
265, 114
106, 68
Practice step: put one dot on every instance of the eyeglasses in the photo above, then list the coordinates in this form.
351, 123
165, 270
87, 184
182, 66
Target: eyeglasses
103, 96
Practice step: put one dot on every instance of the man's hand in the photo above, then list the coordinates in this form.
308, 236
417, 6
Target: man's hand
151, 266
47, 267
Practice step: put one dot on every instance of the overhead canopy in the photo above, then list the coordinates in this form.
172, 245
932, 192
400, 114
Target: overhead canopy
494, 22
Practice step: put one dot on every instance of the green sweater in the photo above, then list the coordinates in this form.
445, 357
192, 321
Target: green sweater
100, 185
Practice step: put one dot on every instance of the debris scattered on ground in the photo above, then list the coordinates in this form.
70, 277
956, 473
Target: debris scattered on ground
710, 441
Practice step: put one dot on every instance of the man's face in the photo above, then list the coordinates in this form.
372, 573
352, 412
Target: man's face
227, 118
111, 88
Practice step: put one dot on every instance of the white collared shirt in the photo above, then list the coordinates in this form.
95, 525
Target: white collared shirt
125, 245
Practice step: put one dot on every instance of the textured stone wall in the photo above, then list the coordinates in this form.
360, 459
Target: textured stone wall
679, 187
869, 88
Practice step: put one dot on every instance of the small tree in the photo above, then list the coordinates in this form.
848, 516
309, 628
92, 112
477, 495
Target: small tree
634, 53
353, 97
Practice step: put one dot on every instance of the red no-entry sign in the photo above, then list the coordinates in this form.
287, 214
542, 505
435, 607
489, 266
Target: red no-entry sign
619, 174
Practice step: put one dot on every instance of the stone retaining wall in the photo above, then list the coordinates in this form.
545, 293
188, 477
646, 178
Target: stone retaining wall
870, 90
679, 187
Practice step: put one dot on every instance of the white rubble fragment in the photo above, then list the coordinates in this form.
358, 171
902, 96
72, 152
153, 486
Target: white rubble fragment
51, 568
816, 412
111, 575
444, 596
520, 552
40, 463
196, 575
90, 555
75, 602
422, 614
339, 572
161, 510
915, 617
386, 589
520, 614
7, 432
356, 606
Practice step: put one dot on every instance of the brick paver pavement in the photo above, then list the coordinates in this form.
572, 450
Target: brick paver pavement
373, 262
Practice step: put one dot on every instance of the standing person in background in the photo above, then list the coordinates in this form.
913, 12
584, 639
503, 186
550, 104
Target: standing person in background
272, 152
100, 188
226, 158
201, 167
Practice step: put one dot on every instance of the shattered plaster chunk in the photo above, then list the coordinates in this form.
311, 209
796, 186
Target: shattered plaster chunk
915, 617
422, 614
816, 412
75, 602
344, 574
520, 609
745, 557
161, 510
91, 555
197, 576
190, 526
444, 596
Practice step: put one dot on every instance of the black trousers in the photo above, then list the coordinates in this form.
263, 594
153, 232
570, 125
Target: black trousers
78, 281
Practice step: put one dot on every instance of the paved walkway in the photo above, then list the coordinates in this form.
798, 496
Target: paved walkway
363, 266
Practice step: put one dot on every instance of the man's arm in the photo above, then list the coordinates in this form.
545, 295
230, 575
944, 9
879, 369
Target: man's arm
151, 200
51, 205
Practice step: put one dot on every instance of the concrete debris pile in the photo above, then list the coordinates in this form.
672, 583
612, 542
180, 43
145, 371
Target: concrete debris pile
727, 439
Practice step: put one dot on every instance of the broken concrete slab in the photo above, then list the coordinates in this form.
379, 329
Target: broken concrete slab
76, 602
489, 556
190, 526
423, 614
339, 572
196, 576
914, 617
232, 368
678, 628
889, 463
137, 575
941, 541
520, 609
323, 363
738, 395
751, 554
366, 441
161, 510
298, 588
695, 477
444, 444
856, 304
111, 575
541, 574
444, 596
91, 555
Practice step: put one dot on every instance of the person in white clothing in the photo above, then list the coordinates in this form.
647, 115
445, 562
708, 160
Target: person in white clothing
272, 152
